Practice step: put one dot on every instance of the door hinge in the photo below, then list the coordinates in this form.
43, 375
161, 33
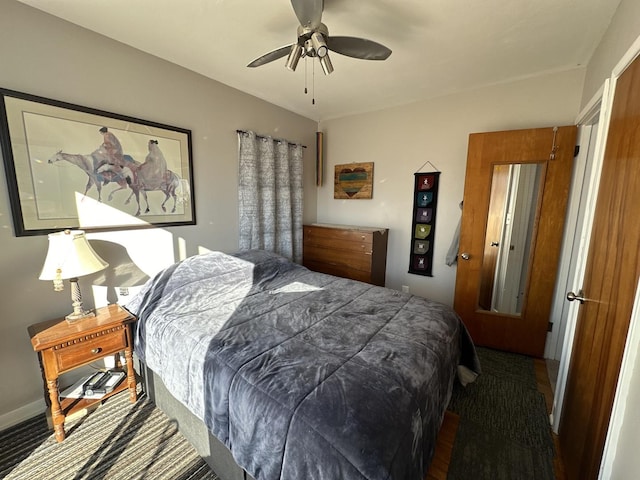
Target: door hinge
576, 151
550, 327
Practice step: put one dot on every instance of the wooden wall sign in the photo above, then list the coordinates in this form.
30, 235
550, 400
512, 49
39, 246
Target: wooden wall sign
353, 181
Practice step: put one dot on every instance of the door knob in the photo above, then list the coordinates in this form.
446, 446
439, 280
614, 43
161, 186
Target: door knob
495, 244
579, 296
465, 256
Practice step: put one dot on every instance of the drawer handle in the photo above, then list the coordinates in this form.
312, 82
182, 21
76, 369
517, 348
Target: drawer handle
95, 351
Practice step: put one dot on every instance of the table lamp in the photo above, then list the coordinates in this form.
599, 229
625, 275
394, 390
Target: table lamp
71, 256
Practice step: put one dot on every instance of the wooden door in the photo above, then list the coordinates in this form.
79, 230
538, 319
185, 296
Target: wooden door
611, 278
524, 333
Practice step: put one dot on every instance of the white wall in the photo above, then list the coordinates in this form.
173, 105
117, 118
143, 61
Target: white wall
45, 56
400, 140
623, 30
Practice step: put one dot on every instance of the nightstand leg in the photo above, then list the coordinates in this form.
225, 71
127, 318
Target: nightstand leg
131, 375
56, 411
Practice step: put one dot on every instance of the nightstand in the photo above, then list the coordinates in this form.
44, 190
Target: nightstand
63, 346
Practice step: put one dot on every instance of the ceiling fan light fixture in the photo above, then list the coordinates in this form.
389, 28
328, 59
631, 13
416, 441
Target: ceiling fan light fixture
319, 45
327, 66
314, 41
308, 49
294, 55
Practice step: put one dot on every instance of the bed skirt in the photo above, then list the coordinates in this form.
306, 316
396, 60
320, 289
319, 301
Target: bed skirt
214, 452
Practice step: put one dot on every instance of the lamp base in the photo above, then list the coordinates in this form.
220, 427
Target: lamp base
78, 312
74, 317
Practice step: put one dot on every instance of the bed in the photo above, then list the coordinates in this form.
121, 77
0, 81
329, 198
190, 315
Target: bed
277, 372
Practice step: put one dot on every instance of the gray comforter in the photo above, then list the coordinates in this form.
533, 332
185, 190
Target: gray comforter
303, 375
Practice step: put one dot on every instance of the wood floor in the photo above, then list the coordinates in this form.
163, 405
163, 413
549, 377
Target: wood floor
440, 463
442, 457
542, 377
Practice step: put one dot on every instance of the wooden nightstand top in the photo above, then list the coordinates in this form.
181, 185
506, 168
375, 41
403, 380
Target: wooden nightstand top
52, 332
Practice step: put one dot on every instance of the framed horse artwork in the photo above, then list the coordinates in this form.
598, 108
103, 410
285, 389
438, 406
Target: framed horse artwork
69, 166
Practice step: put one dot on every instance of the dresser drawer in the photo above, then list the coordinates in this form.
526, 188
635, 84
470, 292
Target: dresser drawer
339, 271
355, 260
324, 236
87, 350
339, 244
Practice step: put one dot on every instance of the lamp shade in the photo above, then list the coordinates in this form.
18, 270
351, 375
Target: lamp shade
70, 256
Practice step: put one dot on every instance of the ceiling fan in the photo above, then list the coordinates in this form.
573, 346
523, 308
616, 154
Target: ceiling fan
314, 41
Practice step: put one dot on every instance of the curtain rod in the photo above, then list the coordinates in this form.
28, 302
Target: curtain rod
276, 139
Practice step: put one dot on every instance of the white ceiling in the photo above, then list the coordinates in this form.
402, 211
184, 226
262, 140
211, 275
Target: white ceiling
439, 46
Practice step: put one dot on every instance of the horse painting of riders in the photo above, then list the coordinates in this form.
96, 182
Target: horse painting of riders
76, 167
111, 146
108, 164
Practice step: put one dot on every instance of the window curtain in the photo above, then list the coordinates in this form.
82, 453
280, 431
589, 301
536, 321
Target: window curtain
270, 195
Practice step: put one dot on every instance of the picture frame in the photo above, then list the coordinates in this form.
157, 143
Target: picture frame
69, 166
353, 181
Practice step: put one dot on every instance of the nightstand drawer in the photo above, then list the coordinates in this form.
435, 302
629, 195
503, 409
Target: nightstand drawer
89, 349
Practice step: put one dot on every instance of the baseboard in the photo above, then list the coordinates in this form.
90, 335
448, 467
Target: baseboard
21, 414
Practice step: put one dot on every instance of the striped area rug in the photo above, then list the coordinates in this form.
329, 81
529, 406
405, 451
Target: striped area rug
118, 441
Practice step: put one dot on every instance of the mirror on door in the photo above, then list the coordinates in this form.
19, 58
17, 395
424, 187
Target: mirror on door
511, 222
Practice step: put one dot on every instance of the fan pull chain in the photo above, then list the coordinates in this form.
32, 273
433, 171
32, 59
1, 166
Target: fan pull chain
313, 80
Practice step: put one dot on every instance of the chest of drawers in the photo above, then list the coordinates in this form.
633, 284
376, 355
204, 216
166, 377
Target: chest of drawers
359, 253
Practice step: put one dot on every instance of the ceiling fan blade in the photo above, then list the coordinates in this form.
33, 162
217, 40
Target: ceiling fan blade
271, 56
309, 12
358, 48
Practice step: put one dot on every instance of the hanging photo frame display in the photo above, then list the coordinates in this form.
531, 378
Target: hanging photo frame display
423, 226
